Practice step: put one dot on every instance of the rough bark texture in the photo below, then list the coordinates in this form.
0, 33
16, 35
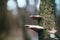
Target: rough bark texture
47, 11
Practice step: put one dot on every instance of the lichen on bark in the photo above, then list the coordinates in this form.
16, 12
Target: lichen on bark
47, 11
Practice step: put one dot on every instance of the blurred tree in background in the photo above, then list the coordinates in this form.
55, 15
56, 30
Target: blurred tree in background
9, 22
2, 18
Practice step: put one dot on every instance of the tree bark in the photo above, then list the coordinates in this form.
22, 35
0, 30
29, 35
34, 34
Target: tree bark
47, 11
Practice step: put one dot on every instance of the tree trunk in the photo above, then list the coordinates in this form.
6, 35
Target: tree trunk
47, 11
2, 19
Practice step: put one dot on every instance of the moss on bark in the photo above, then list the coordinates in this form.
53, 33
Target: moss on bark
47, 11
